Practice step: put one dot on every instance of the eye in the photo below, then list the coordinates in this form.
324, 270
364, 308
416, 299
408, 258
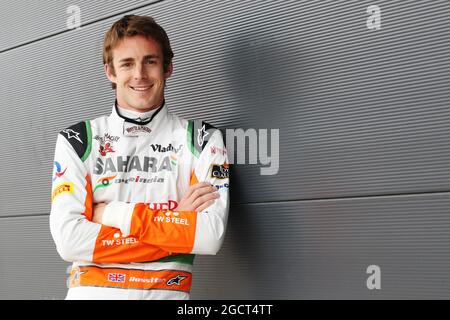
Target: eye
150, 61
126, 65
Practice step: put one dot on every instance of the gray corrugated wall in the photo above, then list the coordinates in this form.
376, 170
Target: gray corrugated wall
364, 138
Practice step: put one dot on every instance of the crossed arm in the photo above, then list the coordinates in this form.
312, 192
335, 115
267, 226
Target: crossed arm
198, 197
84, 232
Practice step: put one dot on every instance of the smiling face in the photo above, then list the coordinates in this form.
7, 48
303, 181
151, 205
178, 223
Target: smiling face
138, 73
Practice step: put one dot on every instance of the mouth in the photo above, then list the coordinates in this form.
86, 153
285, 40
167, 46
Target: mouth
141, 88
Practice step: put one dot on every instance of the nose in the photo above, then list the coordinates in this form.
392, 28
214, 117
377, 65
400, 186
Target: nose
139, 72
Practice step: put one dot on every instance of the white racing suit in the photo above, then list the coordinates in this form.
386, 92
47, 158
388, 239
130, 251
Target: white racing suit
144, 248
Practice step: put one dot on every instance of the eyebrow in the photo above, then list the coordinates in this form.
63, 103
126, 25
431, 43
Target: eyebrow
149, 56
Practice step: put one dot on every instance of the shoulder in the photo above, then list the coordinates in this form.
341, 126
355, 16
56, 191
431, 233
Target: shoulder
79, 136
200, 134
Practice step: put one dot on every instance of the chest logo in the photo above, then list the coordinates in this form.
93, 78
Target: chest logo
130, 163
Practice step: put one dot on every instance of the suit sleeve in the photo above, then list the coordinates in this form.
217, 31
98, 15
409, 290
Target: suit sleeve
182, 231
75, 236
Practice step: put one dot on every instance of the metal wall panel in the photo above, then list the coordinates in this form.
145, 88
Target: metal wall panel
363, 118
24, 21
29, 264
320, 249
316, 249
360, 112
384, 142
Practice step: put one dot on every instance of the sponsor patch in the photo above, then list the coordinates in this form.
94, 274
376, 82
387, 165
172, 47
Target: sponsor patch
106, 143
201, 135
217, 150
104, 182
106, 138
116, 277
65, 187
171, 217
220, 171
72, 134
199, 132
104, 149
133, 130
176, 280
75, 277
169, 147
59, 172
127, 164
222, 186
169, 205
80, 138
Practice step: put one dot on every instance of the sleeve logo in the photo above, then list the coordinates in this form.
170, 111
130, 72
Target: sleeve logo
116, 277
201, 135
65, 187
72, 134
176, 280
58, 173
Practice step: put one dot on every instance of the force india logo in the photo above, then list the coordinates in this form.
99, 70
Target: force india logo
104, 182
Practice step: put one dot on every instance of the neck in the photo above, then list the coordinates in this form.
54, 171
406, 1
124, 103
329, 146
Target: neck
122, 104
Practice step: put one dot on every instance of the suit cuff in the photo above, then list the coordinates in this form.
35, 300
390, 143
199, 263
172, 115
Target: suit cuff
118, 215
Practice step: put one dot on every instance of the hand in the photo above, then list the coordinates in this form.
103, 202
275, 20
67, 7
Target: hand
199, 197
98, 212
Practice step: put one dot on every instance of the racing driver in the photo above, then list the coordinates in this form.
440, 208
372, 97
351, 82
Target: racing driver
136, 194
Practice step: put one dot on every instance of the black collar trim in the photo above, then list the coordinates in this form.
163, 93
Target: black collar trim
137, 122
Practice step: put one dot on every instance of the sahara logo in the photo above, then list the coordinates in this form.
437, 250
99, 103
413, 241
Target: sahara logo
128, 163
58, 173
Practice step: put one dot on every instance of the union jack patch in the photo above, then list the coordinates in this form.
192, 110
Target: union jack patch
116, 277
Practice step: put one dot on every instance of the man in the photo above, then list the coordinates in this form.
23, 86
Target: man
137, 193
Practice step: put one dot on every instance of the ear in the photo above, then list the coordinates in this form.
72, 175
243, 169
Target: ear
109, 73
169, 71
